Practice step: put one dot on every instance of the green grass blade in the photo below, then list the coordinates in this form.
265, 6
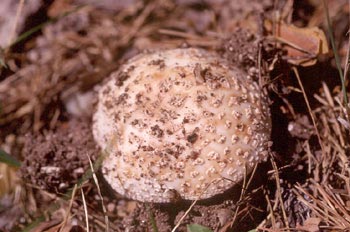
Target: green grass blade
2, 63
2, 58
197, 228
152, 219
336, 55
31, 31
8, 159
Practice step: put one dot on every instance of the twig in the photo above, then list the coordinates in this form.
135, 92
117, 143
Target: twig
183, 217
308, 107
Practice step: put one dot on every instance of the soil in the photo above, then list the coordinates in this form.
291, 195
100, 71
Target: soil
57, 159
50, 81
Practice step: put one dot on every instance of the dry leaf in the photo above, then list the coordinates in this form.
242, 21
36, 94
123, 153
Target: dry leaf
303, 45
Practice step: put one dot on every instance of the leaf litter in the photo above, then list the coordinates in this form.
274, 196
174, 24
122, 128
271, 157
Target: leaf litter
304, 187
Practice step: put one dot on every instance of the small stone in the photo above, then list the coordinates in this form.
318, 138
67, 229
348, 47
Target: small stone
111, 207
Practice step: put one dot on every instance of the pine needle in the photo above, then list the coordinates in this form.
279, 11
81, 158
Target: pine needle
99, 193
85, 210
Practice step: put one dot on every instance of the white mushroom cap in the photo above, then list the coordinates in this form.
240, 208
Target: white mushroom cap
180, 123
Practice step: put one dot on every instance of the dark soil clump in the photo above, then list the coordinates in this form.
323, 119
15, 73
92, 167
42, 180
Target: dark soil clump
55, 160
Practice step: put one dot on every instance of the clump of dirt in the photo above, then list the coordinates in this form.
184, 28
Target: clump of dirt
55, 160
241, 49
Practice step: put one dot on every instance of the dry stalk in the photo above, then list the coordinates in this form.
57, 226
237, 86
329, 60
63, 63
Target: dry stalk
325, 205
100, 195
65, 220
243, 192
15, 24
279, 191
85, 210
309, 107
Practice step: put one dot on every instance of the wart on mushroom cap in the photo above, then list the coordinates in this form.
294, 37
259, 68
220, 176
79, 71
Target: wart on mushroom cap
180, 123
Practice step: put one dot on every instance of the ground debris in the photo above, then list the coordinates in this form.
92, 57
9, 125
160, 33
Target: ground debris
56, 71
56, 160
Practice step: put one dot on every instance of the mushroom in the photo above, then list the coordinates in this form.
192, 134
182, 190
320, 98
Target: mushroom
180, 123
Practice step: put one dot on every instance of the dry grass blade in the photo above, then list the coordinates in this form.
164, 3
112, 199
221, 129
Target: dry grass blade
326, 206
192, 39
13, 32
243, 200
270, 216
309, 108
188, 210
329, 103
85, 210
243, 191
279, 192
63, 224
4, 52
100, 195
138, 22
183, 217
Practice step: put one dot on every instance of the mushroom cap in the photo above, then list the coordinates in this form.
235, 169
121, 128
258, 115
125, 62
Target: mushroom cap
180, 123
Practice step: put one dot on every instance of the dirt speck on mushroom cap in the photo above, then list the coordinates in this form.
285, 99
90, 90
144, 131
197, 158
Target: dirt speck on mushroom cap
182, 123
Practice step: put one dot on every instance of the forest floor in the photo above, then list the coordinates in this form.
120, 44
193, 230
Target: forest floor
54, 54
